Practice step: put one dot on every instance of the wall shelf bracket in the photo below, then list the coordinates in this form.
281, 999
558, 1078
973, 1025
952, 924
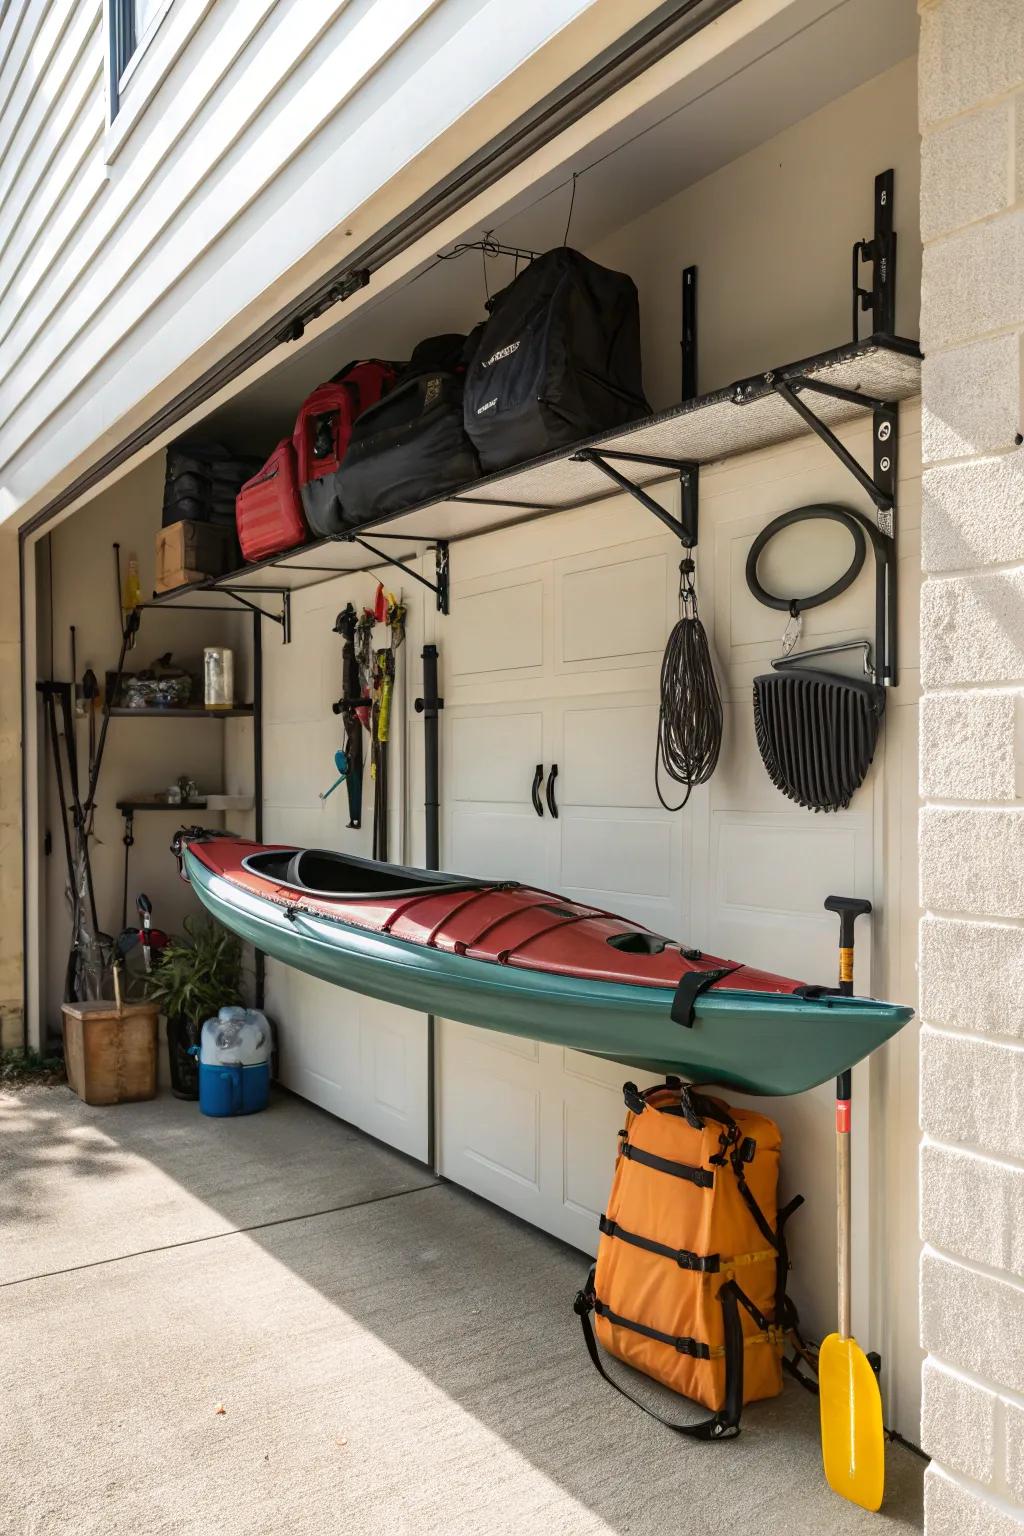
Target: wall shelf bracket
880, 484
685, 527
284, 617
439, 587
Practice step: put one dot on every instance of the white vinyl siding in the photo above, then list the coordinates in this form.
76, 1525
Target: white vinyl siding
250, 133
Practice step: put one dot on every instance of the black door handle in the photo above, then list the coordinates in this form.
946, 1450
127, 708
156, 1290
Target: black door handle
552, 802
535, 789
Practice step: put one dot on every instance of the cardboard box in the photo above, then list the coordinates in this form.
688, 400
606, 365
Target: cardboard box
188, 552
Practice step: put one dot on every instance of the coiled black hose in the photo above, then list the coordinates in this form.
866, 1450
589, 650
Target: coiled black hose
690, 715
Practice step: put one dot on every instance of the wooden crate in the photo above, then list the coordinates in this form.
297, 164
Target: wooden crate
110, 1053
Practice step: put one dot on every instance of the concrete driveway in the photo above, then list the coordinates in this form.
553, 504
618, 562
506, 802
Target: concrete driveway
275, 1325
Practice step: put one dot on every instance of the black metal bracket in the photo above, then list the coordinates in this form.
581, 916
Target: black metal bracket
440, 587
880, 253
688, 338
880, 484
284, 618
684, 527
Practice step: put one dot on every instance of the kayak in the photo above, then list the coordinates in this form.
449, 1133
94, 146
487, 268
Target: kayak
523, 961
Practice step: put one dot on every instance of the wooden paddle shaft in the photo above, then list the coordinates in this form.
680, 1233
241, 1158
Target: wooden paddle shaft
848, 909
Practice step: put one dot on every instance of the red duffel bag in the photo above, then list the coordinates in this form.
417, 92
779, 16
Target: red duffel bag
268, 508
322, 432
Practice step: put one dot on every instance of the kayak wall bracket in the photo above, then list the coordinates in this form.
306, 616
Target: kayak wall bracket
439, 587
685, 526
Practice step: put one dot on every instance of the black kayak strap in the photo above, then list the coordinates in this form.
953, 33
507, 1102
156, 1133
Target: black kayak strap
690, 988
723, 1425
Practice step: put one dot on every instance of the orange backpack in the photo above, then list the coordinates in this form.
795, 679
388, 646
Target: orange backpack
690, 1280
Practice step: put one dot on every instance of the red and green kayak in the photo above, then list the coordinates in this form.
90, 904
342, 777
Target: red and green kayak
522, 961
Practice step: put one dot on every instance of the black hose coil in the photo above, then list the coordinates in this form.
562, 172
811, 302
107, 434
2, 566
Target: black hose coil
690, 715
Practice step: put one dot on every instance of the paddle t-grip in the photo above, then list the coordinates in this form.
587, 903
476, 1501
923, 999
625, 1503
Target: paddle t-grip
848, 909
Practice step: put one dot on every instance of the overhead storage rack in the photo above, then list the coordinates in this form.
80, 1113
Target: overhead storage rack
849, 382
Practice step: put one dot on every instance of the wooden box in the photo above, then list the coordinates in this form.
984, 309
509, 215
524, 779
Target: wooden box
110, 1053
188, 552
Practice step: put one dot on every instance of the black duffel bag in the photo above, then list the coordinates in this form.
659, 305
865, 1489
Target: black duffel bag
412, 445
558, 360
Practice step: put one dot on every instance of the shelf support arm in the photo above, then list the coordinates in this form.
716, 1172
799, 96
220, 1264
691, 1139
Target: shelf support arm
879, 485
284, 618
685, 527
438, 587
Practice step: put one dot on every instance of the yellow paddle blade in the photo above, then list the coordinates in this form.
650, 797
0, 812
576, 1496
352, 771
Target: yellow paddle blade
852, 1438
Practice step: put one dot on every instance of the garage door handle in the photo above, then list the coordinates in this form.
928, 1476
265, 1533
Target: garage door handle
535, 789
550, 792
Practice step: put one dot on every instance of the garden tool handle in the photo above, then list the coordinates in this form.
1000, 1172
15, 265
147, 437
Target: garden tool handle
848, 909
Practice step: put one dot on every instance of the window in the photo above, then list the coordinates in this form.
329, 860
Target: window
132, 23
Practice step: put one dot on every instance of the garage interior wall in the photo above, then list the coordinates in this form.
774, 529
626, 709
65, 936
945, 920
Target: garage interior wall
771, 233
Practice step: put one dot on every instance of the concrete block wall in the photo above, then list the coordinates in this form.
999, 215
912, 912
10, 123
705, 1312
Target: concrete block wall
10, 797
971, 67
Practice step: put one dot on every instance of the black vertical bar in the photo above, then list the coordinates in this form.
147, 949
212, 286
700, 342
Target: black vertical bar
259, 960
883, 299
689, 333
431, 776
429, 705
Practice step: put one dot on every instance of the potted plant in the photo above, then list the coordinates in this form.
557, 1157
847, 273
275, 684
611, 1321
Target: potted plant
197, 974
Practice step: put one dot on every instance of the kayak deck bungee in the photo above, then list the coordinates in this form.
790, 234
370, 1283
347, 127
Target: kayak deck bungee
522, 961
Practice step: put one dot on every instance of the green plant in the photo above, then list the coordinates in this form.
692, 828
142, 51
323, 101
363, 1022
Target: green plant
197, 974
18, 1068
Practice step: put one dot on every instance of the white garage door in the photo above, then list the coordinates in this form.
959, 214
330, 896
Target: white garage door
557, 662
549, 779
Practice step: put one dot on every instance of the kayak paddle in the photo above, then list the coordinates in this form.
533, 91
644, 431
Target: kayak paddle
852, 1437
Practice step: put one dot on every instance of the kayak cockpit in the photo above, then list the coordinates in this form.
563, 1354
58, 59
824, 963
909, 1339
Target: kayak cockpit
320, 872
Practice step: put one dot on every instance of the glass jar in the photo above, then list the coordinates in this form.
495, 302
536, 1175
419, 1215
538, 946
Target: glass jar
218, 677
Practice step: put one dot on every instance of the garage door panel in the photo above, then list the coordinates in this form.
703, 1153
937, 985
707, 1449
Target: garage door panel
590, 1121
501, 844
601, 763
616, 854
613, 610
498, 631
494, 755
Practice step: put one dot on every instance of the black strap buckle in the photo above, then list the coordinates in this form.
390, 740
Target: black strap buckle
634, 1098
583, 1303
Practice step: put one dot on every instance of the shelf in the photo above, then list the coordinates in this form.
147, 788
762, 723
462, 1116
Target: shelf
746, 416
122, 712
154, 803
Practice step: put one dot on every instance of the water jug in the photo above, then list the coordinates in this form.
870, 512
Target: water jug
234, 1062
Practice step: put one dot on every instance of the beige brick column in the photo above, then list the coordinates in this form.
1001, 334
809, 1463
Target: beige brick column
972, 784
11, 957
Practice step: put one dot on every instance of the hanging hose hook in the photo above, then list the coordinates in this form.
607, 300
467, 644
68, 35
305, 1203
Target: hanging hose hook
687, 590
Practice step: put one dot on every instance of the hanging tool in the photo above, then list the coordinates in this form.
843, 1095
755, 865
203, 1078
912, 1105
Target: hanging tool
144, 907
852, 1436
341, 764
76, 708
384, 672
817, 731
690, 715
90, 698
348, 706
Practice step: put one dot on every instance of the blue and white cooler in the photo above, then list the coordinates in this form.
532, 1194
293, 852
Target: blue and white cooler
234, 1062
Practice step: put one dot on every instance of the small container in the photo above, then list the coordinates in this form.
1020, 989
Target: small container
218, 677
110, 1051
234, 1062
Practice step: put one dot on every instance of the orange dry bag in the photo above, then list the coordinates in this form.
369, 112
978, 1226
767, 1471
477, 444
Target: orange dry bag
690, 1280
